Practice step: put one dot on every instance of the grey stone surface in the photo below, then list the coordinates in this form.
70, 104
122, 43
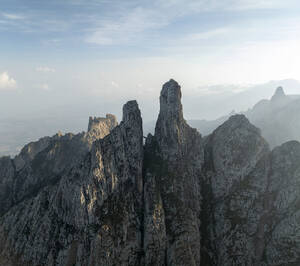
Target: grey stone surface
104, 198
90, 215
173, 159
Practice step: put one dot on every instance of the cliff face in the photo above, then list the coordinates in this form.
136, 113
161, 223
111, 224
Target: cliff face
250, 198
236, 179
283, 237
43, 162
90, 215
104, 198
173, 159
99, 127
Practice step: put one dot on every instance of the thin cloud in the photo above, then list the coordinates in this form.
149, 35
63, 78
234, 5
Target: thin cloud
135, 24
258, 4
45, 69
12, 16
127, 28
206, 35
188, 6
127, 21
7, 82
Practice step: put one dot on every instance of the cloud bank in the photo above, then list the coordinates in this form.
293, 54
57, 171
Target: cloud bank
7, 82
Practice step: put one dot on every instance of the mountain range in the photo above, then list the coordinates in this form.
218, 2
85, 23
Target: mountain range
21, 121
278, 118
110, 197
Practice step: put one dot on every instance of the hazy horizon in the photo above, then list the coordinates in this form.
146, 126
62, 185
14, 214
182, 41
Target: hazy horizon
16, 130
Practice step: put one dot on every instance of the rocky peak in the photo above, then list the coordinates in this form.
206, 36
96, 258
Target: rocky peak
99, 127
236, 146
170, 100
178, 200
238, 120
96, 123
131, 111
171, 129
172, 163
279, 94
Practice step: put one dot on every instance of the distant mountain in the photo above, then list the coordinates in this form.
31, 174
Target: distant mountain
278, 118
208, 126
221, 100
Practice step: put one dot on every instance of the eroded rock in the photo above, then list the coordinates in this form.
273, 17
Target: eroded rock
104, 198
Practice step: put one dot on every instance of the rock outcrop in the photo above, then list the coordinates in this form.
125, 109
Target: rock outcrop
104, 198
99, 127
7, 173
282, 238
90, 214
43, 162
173, 160
236, 171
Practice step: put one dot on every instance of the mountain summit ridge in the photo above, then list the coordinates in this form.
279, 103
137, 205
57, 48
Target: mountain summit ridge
278, 93
180, 199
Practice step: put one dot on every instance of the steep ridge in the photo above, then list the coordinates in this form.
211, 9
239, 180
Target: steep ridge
173, 159
62, 221
43, 162
236, 170
104, 198
250, 210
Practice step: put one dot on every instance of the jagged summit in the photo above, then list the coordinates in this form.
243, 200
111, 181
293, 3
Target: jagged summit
279, 91
173, 159
171, 129
180, 199
238, 120
97, 122
170, 99
131, 110
279, 94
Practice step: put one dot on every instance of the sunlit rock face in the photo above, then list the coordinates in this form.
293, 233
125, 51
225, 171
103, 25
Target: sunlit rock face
99, 127
104, 198
90, 215
43, 162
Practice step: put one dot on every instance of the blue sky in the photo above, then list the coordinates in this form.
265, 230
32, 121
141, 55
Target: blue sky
118, 50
